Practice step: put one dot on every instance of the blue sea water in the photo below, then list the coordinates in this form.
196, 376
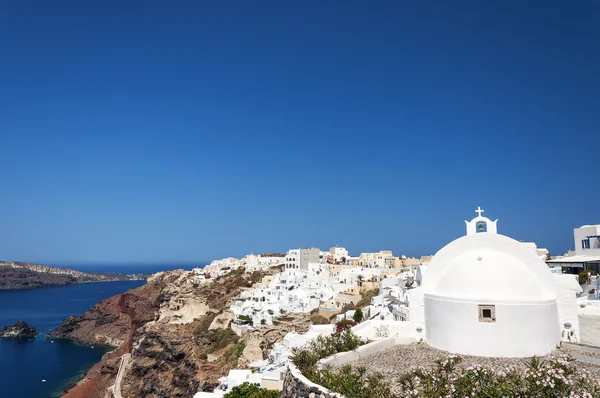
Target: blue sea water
23, 364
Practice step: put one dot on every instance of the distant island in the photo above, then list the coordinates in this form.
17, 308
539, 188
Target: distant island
20, 330
20, 275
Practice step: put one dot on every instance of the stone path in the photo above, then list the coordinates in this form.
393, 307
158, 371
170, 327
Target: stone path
116, 388
589, 330
582, 353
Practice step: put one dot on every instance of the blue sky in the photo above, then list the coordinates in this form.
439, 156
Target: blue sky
149, 131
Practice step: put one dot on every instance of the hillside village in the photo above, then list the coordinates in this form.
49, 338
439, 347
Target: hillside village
483, 295
378, 294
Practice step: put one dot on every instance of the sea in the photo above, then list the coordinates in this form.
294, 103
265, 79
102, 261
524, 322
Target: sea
44, 368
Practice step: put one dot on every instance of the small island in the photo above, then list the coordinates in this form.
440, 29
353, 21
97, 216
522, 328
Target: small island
20, 330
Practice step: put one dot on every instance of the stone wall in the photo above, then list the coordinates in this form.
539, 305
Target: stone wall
297, 386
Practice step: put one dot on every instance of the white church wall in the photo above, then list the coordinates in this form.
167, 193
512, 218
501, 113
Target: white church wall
567, 315
416, 313
521, 329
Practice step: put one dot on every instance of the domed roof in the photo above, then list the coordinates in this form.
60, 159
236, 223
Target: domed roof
489, 266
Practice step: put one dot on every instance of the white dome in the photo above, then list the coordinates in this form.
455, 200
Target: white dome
489, 266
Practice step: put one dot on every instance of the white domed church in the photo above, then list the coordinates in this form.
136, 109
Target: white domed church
486, 294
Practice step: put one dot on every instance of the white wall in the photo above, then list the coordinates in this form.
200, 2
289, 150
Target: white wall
522, 329
379, 330
567, 313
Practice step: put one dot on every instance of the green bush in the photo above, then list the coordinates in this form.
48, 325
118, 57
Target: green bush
221, 338
358, 316
583, 275
248, 390
354, 382
239, 349
306, 357
348, 381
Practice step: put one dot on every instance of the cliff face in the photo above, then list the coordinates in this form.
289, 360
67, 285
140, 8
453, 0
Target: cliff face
178, 335
19, 275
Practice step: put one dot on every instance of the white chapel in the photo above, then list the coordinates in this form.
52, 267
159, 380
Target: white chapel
486, 294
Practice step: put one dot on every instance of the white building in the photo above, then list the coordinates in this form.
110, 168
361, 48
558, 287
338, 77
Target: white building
337, 254
299, 258
587, 250
486, 294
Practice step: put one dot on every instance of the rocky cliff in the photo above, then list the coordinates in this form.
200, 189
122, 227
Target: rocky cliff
20, 330
19, 275
178, 334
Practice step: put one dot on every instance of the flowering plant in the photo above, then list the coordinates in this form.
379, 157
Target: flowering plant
382, 331
554, 378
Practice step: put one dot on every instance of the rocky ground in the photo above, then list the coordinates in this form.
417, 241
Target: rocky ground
393, 362
178, 334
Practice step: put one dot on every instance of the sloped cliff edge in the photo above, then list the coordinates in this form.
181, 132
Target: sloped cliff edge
178, 334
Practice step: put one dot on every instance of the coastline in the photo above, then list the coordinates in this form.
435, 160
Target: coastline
73, 381
53, 285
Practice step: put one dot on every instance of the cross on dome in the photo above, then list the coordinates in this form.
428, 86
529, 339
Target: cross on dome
479, 211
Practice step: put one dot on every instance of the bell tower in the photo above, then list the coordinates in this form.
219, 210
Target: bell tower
481, 224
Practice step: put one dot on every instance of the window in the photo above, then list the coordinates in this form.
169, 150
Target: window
585, 244
481, 226
487, 313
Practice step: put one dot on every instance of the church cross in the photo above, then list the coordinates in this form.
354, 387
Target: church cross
479, 211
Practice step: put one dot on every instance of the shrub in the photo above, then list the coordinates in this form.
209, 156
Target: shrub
344, 324
351, 382
263, 321
221, 338
317, 319
555, 378
307, 356
358, 316
354, 382
248, 390
583, 275
239, 349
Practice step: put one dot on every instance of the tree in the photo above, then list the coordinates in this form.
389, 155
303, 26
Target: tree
248, 390
358, 316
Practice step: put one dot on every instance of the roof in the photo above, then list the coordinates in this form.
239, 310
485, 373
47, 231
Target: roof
489, 266
568, 282
581, 258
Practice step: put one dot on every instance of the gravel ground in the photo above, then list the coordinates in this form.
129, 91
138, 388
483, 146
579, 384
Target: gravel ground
393, 362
